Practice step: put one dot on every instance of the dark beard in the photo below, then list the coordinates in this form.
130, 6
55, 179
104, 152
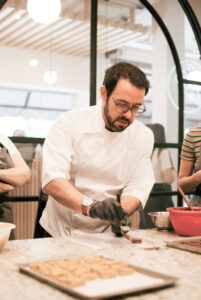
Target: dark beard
110, 124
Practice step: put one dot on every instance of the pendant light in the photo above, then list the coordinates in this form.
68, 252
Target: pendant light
44, 11
50, 76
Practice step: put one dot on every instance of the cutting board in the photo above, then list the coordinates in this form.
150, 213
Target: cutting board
192, 244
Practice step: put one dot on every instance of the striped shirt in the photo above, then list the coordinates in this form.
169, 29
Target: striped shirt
191, 145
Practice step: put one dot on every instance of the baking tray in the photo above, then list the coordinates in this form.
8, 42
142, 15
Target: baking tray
192, 244
141, 281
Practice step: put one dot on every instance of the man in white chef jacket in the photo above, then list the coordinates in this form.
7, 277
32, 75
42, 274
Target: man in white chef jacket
91, 155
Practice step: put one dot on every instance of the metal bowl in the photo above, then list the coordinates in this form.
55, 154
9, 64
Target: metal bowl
161, 220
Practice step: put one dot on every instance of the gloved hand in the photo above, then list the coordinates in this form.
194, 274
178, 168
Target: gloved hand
116, 229
121, 226
108, 209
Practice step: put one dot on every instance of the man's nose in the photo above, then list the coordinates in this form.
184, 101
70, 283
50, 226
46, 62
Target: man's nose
128, 114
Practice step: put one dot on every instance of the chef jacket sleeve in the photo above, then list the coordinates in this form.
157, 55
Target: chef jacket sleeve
58, 150
141, 178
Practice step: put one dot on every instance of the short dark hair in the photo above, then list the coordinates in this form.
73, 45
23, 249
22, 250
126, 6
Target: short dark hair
127, 71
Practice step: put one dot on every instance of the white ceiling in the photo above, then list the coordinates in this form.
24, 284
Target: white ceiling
120, 24
70, 33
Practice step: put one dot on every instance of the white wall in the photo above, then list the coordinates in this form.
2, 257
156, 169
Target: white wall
162, 110
73, 72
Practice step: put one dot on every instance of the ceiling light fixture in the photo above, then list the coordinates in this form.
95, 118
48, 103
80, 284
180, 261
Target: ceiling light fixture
44, 11
50, 77
33, 62
17, 16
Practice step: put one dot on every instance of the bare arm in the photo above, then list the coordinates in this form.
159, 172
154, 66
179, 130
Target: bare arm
18, 175
65, 193
130, 204
187, 180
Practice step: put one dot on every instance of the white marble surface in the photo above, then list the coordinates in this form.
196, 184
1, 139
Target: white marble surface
182, 264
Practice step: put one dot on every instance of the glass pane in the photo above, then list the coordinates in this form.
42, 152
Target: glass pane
30, 49
12, 97
192, 109
27, 151
50, 100
185, 44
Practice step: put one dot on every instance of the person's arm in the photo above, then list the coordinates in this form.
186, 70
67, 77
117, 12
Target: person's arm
130, 204
56, 165
18, 175
58, 151
187, 180
65, 193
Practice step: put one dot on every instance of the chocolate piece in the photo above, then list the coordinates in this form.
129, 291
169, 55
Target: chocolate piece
152, 248
136, 240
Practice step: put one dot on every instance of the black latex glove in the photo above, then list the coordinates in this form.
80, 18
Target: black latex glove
125, 223
116, 229
109, 209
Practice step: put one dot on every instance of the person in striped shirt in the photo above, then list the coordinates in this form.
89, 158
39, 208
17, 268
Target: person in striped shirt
190, 168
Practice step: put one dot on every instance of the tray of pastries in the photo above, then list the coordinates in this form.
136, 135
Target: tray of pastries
95, 276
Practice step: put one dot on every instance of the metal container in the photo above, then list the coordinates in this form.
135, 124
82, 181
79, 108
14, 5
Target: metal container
161, 220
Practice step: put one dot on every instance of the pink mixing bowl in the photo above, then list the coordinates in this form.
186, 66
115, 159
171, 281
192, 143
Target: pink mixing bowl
186, 222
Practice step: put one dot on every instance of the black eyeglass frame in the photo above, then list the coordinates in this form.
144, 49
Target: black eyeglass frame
134, 109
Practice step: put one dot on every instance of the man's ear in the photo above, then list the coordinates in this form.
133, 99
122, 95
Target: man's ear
103, 93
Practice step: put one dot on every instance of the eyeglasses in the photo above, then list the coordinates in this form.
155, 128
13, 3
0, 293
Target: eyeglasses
124, 108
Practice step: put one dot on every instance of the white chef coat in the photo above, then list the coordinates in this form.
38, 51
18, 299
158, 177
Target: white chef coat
99, 163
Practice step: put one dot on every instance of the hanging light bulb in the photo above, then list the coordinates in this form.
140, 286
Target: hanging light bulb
50, 77
44, 11
33, 62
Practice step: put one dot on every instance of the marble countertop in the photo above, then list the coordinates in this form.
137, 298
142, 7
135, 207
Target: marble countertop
186, 266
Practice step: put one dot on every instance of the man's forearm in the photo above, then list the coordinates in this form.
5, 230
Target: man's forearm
130, 204
65, 193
